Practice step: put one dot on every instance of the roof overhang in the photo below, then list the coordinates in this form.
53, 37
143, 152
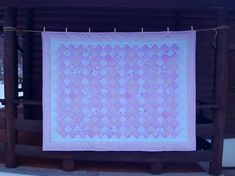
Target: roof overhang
157, 4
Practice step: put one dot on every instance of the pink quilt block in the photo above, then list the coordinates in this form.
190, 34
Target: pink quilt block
119, 91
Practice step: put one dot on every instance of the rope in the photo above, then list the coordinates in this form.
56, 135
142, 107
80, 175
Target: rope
38, 31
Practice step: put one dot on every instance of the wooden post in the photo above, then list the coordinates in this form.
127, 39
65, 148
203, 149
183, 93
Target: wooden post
10, 84
220, 92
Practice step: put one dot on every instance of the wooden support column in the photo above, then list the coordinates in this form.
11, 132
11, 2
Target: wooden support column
10, 84
220, 92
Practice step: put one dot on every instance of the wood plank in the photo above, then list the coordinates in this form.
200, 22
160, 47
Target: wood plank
28, 125
48, 11
184, 4
94, 19
28, 102
205, 130
207, 106
10, 86
163, 157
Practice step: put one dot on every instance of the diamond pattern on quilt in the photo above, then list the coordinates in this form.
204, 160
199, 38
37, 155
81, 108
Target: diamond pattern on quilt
100, 83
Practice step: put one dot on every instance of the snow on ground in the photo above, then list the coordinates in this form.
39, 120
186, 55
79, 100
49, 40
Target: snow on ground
1, 92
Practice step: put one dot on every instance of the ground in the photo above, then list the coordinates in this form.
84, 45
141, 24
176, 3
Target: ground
31, 171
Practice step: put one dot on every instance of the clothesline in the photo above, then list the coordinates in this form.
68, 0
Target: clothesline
8, 28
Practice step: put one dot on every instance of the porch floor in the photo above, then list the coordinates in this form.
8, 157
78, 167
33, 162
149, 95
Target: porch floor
34, 171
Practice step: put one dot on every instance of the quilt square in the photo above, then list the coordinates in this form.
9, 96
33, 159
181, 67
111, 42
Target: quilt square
119, 91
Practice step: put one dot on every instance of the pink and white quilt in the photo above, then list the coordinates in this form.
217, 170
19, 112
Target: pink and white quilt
119, 91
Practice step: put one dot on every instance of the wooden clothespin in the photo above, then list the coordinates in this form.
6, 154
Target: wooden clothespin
168, 29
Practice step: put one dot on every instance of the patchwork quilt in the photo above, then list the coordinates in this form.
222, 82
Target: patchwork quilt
119, 91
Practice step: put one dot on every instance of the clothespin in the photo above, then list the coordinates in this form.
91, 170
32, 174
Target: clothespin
142, 29
44, 29
89, 29
192, 28
66, 29
114, 30
168, 29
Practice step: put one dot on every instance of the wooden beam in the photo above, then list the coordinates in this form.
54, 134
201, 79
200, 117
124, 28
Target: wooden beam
166, 4
10, 84
28, 125
149, 157
28, 102
220, 92
205, 130
207, 106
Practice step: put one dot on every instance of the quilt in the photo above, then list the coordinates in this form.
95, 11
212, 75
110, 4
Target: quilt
117, 91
